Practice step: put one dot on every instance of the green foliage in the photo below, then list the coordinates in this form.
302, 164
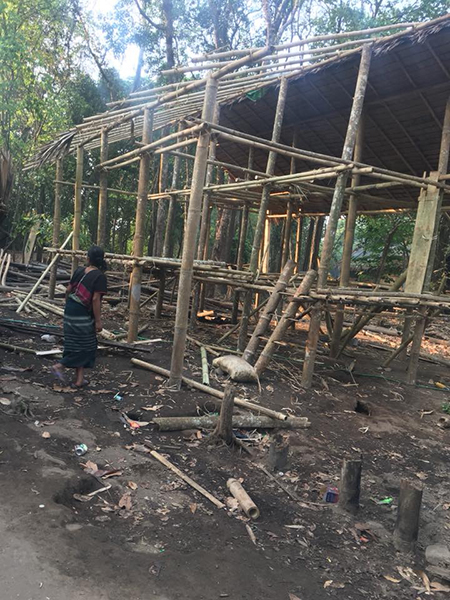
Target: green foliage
445, 407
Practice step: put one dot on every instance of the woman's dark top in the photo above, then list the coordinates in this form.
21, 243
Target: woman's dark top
84, 285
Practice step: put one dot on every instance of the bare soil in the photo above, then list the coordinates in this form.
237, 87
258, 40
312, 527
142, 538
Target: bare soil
168, 542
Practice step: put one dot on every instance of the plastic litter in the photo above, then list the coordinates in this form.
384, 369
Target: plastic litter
80, 449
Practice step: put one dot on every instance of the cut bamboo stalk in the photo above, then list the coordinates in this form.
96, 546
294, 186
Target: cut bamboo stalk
213, 392
159, 457
56, 226
414, 356
139, 230
247, 421
205, 368
190, 238
408, 516
77, 206
267, 314
6, 265
283, 324
224, 428
44, 273
350, 226
264, 203
103, 191
245, 502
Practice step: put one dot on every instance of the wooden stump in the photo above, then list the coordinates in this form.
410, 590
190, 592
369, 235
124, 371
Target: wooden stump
277, 458
350, 487
408, 515
224, 429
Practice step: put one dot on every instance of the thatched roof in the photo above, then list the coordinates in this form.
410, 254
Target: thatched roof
409, 84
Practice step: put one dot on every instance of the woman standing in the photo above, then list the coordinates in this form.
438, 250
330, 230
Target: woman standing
82, 316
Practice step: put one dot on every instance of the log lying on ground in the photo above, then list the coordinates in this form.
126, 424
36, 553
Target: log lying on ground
239, 422
245, 502
283, 324
267, 314
213, 392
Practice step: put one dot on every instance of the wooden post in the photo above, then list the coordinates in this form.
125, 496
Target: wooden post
442, 170
103, 190
408, 516
139, 230
265, 197
318, 229
287, 235
298, 243
350, 487
77, 206
350, 225
190, 238
415, 347
347, 153
309, 245
224, 429
240, 259
283, 323
56, 225
277, 458
335, 211
427, 221
266, 315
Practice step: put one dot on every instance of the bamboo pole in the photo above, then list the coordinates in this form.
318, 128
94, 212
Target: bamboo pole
138, 242
43, 274
103, 191
218, 394
56, 226
190, 238
168, 236
245, 502
265, 197
336, 205
266, 315
287, 235
246, 421
350, 225
408, 516
298, 242
414, 356
77, 206
283, 324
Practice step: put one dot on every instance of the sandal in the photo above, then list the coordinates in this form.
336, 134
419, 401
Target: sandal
82, 385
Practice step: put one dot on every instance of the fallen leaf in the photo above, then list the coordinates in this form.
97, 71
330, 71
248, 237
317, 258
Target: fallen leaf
5, 401
392, 579
45, 435
250, 533
62, 389
193, 508
327, 583
439, 587
421, 475
153, 408
293, 597
125, 501
132, 485
90, 467
82, 497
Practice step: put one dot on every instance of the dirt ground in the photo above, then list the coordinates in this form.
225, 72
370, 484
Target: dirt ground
150, 536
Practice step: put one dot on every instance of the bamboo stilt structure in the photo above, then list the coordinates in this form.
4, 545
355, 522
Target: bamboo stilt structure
56, 226
265, 197
335, 211
350, 225
77, 206
283, 324
267, 314
103, 192
190, 238
138, 242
